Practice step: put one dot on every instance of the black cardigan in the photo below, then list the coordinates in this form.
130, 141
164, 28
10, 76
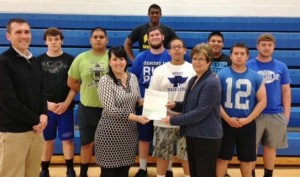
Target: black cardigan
22, 99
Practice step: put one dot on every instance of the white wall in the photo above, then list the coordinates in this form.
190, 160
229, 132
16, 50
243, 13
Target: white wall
261, 8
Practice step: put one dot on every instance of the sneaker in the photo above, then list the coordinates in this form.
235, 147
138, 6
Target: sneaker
44, 174
169, 174
226, 174
71, 173
141, 173
81, 176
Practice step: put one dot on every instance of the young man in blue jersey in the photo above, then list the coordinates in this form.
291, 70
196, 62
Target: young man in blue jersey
243, 99
143, 67
271, 125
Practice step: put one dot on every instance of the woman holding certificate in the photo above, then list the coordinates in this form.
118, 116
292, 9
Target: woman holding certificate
116, 136
200, 120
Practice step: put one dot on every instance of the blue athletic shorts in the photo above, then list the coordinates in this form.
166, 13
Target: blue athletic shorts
145, 130
62, 124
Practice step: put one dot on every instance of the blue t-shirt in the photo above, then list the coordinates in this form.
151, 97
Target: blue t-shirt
275, 74
144, 65
239, 91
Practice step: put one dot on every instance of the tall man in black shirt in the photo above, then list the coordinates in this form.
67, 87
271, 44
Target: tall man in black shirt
139, 33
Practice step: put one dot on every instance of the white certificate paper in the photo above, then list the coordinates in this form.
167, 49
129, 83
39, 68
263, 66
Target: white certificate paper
154, 107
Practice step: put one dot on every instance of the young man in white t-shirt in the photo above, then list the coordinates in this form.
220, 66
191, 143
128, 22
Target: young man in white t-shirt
172, 77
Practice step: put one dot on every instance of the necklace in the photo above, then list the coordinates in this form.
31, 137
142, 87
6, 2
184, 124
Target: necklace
124, 82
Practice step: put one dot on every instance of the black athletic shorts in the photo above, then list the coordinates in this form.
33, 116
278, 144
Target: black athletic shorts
239, 140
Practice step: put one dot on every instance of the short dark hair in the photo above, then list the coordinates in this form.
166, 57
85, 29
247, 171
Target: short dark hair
52, 31
176, 38
240, 45
15, 20
120, 53
154, 6
215, 33
98, 28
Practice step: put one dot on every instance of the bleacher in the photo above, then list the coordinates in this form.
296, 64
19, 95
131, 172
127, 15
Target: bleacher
193, 30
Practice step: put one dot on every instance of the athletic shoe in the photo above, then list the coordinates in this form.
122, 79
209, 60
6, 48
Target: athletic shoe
169, 174
44, 174
141, 173
226, 174
71, 173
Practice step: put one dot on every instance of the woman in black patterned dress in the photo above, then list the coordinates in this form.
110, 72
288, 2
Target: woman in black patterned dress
116, 136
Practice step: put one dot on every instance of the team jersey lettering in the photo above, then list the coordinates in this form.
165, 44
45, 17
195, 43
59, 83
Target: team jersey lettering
269, 76
243, 87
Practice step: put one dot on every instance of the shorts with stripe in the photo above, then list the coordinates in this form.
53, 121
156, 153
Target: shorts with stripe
63, 125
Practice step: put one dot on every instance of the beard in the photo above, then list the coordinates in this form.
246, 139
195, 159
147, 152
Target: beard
157, 46
265, 55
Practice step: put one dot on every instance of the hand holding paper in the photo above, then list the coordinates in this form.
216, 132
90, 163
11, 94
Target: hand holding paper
155, 104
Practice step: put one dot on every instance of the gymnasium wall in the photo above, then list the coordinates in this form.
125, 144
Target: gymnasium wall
228, 8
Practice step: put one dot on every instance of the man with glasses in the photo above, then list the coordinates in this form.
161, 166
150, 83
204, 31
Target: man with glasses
172, 77
139, 33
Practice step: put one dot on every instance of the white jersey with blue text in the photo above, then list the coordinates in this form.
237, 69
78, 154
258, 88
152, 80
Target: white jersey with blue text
173, 79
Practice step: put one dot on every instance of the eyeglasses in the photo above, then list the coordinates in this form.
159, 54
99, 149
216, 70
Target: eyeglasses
174, 47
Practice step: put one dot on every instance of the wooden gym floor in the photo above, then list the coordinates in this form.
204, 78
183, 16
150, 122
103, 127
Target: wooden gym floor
94, 171
286, 167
